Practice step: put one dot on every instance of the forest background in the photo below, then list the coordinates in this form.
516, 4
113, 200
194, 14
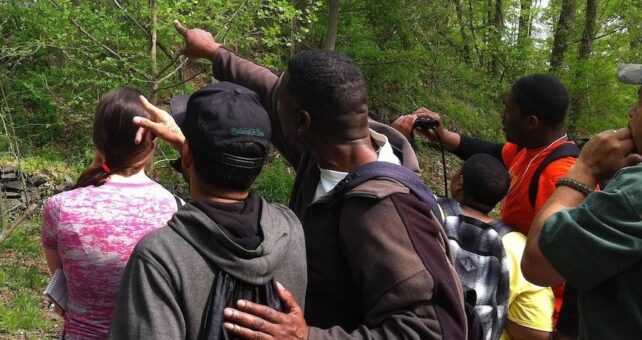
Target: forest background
456, 57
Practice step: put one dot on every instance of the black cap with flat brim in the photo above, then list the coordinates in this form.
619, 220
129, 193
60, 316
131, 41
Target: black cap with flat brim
178, 107
220, 114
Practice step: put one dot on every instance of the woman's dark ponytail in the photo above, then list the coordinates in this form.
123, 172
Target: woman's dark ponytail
94, 175
113, 135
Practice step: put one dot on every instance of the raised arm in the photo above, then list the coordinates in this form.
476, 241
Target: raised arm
462, 146
228, 66
404, 124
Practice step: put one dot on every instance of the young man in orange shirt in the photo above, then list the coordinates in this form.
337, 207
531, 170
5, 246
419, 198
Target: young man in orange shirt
592, 239
533, 123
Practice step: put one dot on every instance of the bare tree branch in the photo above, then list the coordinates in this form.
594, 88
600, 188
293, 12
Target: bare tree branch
603, 35
172, 62
229, 22
162, 47
105, 47
30, 210
181, 83
172, 73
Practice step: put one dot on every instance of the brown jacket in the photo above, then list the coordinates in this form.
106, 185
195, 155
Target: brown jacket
366, 277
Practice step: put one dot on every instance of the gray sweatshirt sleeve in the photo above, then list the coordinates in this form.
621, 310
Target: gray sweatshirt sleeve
147, 307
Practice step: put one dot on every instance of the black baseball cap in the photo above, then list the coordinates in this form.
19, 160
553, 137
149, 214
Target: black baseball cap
220, 114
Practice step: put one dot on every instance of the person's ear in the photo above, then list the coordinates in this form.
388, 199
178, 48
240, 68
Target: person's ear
304, 121
187, 158
532, 122
456, 184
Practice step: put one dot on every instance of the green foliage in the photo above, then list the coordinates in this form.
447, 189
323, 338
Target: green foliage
23, 276
413, 55
58, 57
276, 180
55, 62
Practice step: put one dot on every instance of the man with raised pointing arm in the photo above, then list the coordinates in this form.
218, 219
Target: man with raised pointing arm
366, 278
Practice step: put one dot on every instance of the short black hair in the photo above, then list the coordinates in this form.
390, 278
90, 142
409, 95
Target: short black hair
486, 182
214, 174
543, 96
326, 82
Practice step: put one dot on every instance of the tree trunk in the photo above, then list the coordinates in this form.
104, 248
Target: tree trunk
632, 15
471, 23
589, 29
580, 100
496, 41
524, 22
333, 24
462, 30
562, 34
152, 52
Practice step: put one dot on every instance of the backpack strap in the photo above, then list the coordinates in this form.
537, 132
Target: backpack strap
564, 150
450, 206
501, 228
399, 173
179, 203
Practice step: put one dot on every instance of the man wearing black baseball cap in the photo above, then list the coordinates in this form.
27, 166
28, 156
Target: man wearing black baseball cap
593, 240
227, 242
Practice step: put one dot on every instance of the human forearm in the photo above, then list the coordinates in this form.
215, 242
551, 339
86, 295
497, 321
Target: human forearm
53, 259
519, 332
200, 44
228, 66
405, 124
600, 158
450, 140
535, 266
467, 146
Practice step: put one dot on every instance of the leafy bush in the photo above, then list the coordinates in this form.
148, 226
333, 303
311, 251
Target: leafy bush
276, 180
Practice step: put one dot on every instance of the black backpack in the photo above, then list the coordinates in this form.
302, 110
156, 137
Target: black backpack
480, 261
226, 290
416, 186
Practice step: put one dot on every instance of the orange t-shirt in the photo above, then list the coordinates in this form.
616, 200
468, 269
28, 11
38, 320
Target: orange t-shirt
516, 209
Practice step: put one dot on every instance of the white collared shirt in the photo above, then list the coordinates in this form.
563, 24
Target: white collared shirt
330, 178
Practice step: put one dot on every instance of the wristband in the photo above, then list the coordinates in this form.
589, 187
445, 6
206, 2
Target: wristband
575, 184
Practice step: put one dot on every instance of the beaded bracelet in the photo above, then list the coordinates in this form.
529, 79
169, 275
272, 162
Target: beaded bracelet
575, 184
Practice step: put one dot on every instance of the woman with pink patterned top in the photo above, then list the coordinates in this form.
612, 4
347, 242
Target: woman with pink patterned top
91, 230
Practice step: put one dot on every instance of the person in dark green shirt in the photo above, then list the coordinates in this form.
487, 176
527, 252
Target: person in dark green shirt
593, 240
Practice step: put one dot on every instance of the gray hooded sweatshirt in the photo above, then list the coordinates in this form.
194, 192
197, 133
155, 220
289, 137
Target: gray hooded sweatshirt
170, 274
